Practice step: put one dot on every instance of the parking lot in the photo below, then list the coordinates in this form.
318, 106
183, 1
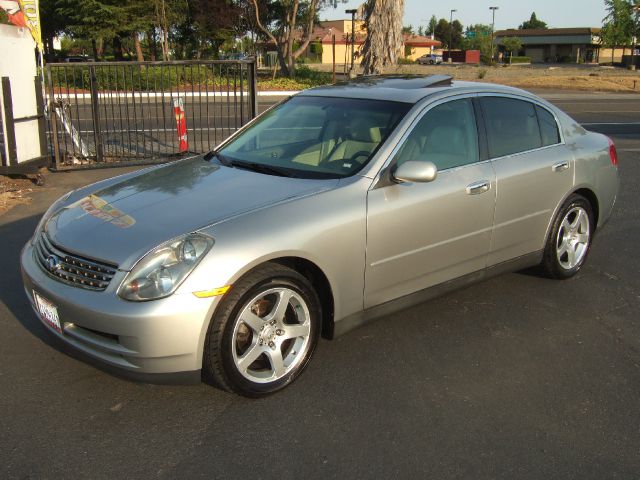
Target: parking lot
516, 377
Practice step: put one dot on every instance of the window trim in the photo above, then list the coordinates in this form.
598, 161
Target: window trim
391, 160
535, 103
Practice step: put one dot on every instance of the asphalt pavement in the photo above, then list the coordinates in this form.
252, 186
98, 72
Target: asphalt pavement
516, 377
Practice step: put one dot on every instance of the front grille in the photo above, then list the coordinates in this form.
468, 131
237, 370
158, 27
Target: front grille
72, 269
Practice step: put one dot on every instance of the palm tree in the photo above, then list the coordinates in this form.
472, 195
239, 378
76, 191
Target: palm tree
383, 21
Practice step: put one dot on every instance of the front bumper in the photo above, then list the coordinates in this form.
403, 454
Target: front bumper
164, 336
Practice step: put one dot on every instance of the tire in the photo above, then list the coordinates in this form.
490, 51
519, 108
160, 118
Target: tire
254, 348
570, 239
431, 62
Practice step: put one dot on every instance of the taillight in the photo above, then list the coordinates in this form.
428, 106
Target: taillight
613, 153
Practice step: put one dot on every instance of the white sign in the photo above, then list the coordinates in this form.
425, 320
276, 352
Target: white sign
18, 62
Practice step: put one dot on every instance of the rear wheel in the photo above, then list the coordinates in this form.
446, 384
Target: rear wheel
263, 333
570, 239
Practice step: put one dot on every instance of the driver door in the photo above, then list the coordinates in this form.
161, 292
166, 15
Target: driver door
423, 234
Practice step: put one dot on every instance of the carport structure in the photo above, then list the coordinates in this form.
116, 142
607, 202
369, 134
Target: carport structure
579, 45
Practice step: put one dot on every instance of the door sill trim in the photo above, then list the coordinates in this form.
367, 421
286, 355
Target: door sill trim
358, 319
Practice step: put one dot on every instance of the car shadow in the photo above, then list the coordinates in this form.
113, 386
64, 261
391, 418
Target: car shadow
14, 236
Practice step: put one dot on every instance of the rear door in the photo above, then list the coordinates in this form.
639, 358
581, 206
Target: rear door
534, 171
423, 234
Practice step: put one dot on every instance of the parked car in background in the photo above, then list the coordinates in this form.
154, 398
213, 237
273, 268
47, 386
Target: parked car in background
78, 59
340, 205
235, 56
429, 59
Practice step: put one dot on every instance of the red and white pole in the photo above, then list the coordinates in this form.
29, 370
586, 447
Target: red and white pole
181, 124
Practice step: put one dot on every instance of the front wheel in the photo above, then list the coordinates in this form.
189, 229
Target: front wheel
263, 333
570, 239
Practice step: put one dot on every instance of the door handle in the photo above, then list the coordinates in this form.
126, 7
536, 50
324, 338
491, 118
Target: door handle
480, 186
560, 166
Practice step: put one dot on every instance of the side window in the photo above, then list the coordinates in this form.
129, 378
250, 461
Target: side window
446, 135
512, 126
548, 127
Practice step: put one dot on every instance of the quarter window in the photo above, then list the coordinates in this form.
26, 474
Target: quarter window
548, 127
446, 135
512, 126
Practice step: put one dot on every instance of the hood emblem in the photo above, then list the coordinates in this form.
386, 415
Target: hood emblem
53, 263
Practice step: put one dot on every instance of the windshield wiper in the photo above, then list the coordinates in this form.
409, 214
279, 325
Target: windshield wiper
262, 168
221, 158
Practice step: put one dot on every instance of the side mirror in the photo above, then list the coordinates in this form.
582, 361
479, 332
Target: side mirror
412, 171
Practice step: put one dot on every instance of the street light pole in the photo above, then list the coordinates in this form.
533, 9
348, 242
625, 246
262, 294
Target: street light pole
636, 9
353, 12
451, 33
493, 26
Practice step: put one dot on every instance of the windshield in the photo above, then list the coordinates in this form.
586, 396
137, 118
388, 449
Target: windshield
315, 137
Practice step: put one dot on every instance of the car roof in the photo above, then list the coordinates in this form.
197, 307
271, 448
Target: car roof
405, 88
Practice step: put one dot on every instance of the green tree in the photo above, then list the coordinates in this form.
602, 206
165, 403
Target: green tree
420, 30
446, 31
511, 45
206, 27
52, 24
288, 24
478, 37
408, 29
92, 20
433, 23
533, 23
618, 25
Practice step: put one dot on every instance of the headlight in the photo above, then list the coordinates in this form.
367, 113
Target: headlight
162, 270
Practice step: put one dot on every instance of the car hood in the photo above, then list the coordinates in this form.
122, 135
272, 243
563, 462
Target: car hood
121, 222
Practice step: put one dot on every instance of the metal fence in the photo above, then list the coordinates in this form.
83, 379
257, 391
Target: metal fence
108, 113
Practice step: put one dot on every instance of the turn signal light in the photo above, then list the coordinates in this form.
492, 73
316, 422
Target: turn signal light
214, 292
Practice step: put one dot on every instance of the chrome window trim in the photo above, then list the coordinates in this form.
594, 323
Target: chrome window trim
534, 102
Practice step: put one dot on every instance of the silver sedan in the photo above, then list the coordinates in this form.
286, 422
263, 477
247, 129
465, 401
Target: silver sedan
342, 204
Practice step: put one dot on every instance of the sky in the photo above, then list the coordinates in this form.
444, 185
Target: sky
511, 13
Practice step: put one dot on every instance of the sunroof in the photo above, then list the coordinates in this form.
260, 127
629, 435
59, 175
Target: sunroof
404, 82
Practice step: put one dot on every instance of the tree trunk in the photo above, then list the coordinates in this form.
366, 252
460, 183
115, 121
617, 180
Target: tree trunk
94, 47
136, 42
284, 46
153, 45
383, 20
117, 48
290, 31
165, 45
284, 66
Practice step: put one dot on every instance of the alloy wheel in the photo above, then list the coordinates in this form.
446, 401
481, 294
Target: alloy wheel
573, 238
271, 335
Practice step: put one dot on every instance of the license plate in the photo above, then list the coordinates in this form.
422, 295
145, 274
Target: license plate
48, 312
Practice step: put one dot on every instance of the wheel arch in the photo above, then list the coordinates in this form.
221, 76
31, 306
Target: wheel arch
321, 285
583, 191
593, 201
312, 272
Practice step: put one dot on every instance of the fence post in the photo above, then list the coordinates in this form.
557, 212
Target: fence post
42, 124
253, 85
9, 124
53, 119
95, 113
